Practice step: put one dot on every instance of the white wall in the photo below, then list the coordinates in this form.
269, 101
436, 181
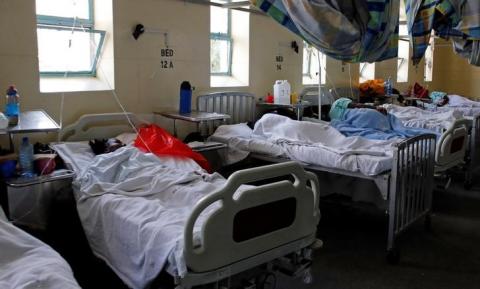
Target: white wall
140, 83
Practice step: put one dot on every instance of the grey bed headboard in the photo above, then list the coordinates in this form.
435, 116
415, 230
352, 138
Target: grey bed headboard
239, 105
310, 93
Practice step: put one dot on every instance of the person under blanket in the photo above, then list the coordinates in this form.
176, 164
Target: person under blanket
354, 120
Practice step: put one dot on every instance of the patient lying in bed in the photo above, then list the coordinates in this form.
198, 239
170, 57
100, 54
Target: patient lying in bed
369, 123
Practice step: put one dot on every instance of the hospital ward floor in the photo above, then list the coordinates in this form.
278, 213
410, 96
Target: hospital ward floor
353, 255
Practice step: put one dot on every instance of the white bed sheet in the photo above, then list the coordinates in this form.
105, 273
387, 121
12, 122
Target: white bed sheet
26, 262
133, 207
437, 121
310, 143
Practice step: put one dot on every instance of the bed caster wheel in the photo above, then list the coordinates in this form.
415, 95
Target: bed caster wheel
393, 256
467, 185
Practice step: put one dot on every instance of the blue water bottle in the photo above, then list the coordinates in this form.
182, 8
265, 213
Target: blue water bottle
12, 107
185, 97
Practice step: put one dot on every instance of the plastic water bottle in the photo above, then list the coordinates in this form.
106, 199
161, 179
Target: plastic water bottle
26, 158
12, 107
185, 97
388, 86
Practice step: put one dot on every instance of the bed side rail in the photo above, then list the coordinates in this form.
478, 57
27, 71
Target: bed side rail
256, 220
412, 183
474, 135
239, 105
104, 125
452, 145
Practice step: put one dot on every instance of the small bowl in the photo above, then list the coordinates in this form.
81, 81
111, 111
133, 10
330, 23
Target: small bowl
8, 168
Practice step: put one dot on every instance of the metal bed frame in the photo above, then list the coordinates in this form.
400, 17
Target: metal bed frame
467, 155
407, 186
220, 254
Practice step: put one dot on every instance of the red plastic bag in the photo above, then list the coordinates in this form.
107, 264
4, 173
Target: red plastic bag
159, 142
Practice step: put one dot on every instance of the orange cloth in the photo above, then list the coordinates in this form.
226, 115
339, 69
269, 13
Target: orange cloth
372, 88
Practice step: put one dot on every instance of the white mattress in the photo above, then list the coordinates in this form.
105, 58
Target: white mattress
26, 262
300, 141
133, 207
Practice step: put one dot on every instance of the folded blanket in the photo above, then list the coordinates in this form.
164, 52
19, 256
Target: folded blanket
371, 124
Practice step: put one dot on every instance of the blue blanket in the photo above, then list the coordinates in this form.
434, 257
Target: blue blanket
371, 124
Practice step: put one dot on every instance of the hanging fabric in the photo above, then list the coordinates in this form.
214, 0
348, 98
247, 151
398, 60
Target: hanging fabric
458, 20
351, 31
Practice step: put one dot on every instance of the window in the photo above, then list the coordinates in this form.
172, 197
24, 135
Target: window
403, 46
68, 44
221, 44
367, 71
429, 60
311, 70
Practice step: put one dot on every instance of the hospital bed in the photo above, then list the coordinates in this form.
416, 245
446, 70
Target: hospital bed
228, 230
26, 262
405, 185
446, 121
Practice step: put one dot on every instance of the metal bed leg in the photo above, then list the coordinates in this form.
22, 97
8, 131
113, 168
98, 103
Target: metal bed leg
393, 254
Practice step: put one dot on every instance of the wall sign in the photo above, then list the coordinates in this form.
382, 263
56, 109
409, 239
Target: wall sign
279, 60
166, 61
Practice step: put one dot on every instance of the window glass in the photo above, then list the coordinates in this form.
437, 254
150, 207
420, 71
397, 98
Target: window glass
220, 41
64, 8
429, 60
219, 20
367, 71
311, 69
62, 50
220, 56
65, 45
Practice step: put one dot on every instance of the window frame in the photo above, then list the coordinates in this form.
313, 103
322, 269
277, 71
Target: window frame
313, 54
72, 24
224, 37
309, 61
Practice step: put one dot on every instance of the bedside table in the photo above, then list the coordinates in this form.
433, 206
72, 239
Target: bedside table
211, 151
28, 201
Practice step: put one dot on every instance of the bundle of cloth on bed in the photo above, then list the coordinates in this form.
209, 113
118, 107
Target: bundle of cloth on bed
26, 262
308, 142
437, 121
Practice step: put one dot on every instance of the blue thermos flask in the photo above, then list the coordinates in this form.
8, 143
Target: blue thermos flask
185, 97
